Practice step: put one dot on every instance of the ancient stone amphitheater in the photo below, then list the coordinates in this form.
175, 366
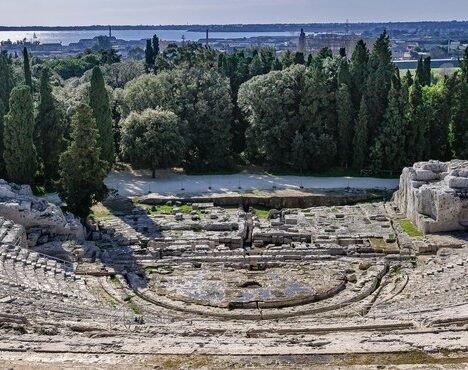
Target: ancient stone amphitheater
199, 286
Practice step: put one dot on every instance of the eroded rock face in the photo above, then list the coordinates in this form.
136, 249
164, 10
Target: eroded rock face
433, 195
36, 215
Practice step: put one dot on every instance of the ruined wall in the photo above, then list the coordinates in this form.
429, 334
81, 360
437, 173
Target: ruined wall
433, 195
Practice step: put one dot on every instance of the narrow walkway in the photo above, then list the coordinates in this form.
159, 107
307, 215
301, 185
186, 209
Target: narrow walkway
128, 184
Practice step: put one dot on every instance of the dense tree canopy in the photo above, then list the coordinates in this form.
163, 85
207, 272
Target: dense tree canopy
152, 138
82, 171
18, 137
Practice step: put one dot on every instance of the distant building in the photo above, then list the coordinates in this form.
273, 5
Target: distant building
301, 46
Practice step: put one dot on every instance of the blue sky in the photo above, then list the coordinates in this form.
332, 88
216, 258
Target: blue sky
85, 12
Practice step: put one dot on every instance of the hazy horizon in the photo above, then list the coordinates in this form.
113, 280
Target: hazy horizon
181, 12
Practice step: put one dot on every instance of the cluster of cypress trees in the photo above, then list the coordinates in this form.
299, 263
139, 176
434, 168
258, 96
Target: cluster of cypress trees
34, 144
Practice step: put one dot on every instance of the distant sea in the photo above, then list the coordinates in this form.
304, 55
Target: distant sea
67, 37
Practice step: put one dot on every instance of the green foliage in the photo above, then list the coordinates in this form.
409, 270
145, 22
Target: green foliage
27, 69
100, 104
18, 140
409, 228
201, 99
2, 148
344, 107
81, 171
6, 80
50, 130
152, 138
360, 144
76, 66
381, 72
271, 105
150, 57
389, 152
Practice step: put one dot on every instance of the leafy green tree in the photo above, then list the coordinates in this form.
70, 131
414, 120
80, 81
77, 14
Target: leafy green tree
299, 155
201, 99
100, 104
27, 69
82, 173
152, 138
18, 140
271, 104
50, 130
408, 79
344, 107
360, 143
6, 80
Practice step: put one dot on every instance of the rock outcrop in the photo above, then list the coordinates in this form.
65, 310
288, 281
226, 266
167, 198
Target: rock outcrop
434, 195
43, 221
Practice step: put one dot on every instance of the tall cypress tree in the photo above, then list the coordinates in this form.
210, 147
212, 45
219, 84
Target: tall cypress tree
381, 73
416, 137
389, 151
344, 107
81, 171
99, 102
420, 76
50, 130
6, 80
150, 57
155, 44
19, 149
360, 144
2, 162
27, 68
427, 72
358, 68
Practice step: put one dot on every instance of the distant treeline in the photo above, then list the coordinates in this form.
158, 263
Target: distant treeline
278, 27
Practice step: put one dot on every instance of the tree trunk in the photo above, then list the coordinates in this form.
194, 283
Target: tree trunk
153, 172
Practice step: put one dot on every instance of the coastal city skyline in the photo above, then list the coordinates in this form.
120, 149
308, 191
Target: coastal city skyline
87, 12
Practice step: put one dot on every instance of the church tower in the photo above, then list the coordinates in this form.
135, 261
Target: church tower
301, 46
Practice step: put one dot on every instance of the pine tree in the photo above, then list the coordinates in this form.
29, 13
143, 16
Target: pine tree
27, 69
50, 130
360, 145
6, 80
150, 57
81, 171
344, 107
18, 140
99, 102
